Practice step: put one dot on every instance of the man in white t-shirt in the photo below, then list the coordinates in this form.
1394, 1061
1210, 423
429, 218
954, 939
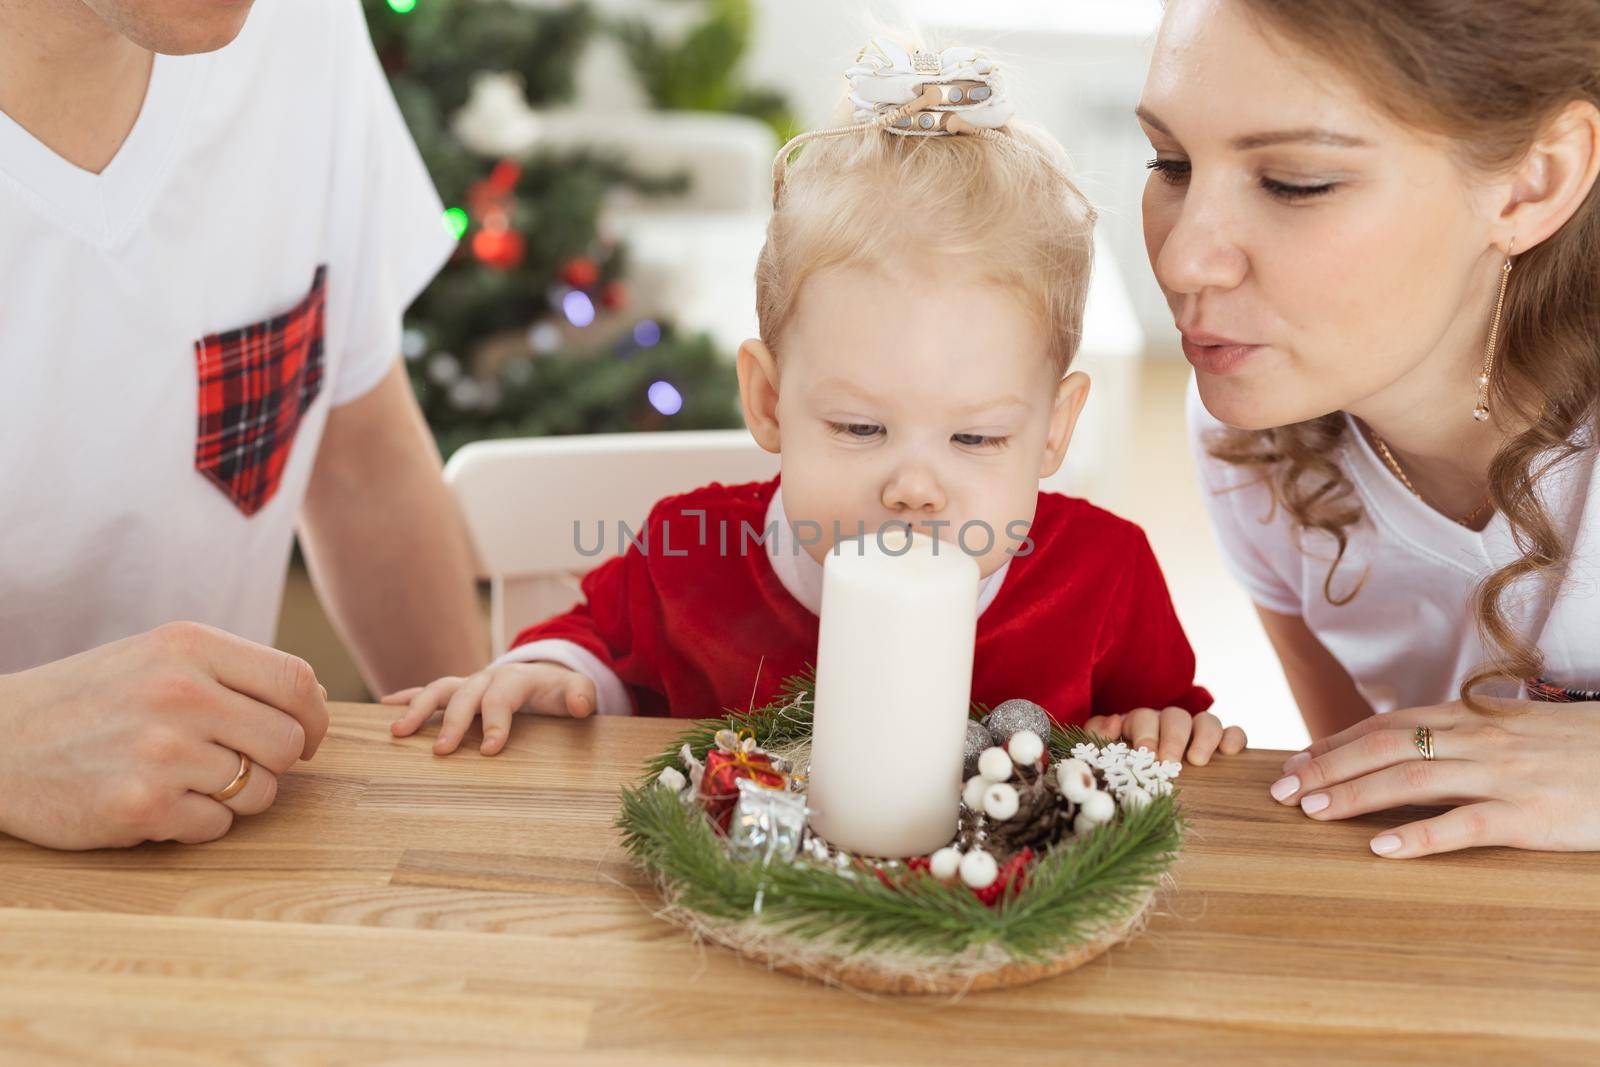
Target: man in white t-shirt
211, 221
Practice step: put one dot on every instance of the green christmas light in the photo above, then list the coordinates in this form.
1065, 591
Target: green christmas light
455, 219
402, 7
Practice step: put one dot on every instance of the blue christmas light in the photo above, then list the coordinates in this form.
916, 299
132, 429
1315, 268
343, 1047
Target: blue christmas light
578, 308
647, 334
665, 398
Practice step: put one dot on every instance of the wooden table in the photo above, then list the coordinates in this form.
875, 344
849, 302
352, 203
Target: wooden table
399, 907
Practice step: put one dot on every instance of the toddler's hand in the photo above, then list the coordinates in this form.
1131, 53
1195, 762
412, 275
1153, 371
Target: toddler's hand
495, 693
1171, 734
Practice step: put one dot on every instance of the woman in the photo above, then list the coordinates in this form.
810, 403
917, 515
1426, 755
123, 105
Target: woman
1376, 226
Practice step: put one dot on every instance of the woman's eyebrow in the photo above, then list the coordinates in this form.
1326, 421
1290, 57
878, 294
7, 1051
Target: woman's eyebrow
1244, 143
1308, 135
1148, 117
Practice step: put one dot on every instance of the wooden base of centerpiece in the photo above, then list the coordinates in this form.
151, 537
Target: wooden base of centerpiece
883, 972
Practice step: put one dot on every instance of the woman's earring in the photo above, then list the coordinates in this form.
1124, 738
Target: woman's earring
1481, 412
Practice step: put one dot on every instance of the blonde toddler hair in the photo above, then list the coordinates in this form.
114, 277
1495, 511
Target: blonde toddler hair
1002, 202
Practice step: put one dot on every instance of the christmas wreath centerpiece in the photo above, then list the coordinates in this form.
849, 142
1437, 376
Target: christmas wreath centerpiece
1061, 841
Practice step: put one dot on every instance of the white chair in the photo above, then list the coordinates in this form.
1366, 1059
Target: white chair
527, 500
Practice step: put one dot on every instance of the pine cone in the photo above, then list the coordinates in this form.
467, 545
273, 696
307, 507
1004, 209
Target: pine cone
1041, 820
972, 831
1043, 817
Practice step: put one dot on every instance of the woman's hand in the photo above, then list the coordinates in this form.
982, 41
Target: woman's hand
1527, 776
1171, 734
495, 693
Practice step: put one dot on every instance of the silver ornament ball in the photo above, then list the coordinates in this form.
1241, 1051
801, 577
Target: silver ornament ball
978, 740
1015, 715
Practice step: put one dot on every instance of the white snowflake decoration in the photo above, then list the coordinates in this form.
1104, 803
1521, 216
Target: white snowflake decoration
1126, 768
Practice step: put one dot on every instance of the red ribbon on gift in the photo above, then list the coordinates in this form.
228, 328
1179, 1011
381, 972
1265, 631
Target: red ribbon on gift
724, 767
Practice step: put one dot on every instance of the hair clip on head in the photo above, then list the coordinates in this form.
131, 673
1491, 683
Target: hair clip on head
960, 87
915, 94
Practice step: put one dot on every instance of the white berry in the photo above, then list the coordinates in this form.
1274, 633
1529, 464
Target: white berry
1075, 780
945, 864
1099, 807
972, 792
978, 869
673, 779
1134, 797
994, 764
1025, 747
1000, 801
1082, 824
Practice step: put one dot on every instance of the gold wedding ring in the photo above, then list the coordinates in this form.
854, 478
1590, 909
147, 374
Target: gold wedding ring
1423, 739
239, 781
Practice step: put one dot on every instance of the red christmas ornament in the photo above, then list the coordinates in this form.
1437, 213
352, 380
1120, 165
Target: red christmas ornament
501, 249
723, 768
491, 201
503, 179
614, 295
580, 272
495, 191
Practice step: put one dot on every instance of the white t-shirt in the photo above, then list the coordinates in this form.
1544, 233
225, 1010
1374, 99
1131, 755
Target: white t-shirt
130, 493
1409, 637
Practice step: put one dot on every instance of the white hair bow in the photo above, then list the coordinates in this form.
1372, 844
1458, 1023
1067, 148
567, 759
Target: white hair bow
915, 94
958, 83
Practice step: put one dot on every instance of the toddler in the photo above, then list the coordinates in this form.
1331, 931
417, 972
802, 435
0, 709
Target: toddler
920, 298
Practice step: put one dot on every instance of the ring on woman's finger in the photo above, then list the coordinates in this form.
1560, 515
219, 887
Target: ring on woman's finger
240, 780
1422, 737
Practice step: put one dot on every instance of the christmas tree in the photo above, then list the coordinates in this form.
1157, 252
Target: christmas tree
529, 329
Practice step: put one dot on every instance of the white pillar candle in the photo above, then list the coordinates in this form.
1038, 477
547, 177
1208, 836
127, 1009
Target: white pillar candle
894, 681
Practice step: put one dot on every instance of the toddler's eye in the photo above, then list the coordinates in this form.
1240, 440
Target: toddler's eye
855, 431
979, 441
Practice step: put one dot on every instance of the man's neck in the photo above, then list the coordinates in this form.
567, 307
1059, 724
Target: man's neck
70, 80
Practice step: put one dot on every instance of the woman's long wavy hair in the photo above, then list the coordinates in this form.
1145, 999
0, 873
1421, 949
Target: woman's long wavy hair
1487, 75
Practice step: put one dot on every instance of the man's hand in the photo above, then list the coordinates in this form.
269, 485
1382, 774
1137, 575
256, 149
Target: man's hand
123, 743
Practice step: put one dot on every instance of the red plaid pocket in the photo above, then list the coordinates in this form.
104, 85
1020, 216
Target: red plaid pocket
255, 384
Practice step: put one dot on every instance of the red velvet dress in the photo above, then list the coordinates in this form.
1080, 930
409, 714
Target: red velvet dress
701, 617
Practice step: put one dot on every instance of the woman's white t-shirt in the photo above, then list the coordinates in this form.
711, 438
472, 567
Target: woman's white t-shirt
175, 329
1409, 636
